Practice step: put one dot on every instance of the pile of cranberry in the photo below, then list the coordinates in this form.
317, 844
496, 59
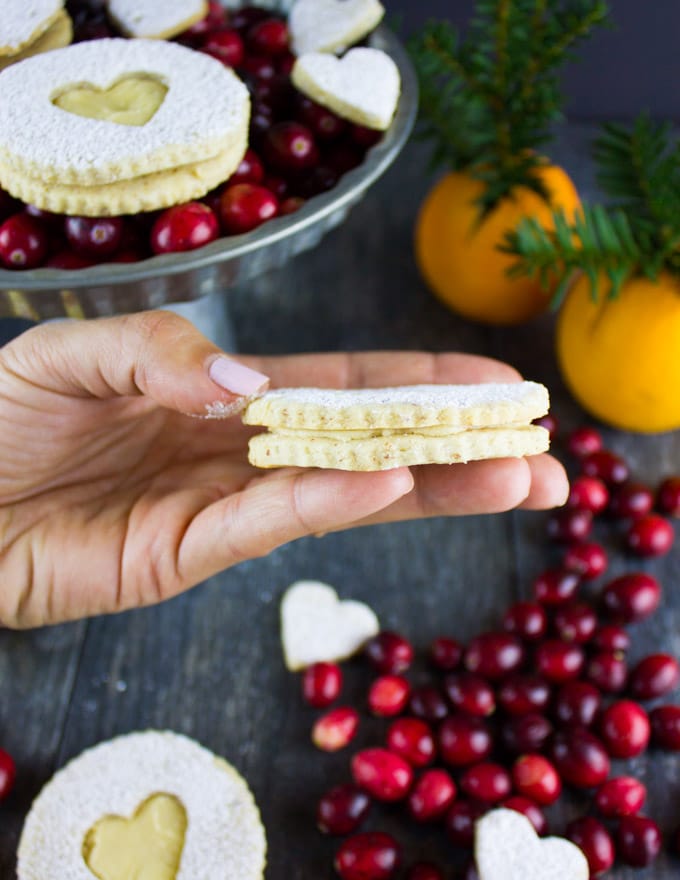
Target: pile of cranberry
546, 701
297, 150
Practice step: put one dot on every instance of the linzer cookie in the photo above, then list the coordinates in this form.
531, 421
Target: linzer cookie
152, 804
362, 86
332, 25
119, 126
154, 19
380, 428
30, 27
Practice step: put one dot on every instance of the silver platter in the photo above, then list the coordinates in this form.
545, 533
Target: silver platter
112, 289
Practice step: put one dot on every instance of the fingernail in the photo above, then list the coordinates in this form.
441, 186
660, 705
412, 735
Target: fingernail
234, 377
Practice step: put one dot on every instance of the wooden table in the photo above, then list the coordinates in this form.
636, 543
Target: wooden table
209, 664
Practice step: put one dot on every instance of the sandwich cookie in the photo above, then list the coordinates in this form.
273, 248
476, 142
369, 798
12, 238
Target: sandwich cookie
332, 25
380, 428
155, 20
47, 24
362, 86
119, 126
152, 804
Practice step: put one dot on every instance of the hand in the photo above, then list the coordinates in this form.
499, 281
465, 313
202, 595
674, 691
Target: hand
112, 496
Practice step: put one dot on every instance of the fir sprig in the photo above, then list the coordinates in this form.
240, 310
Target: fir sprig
488, 101
638, 168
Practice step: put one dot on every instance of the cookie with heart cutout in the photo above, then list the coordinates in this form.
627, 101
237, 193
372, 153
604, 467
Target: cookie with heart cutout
22, 22
149, 804
316, 626
362, 86
154, 20
57, 35
373, 429
155, 121
332, 25
508, 848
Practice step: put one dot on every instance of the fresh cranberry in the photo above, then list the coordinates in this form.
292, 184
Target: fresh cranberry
588, 493
650, 535
494, 655
529, 809
632, 597
23, 242
261, 120
365, 137
244, 18
638, 841
534, 777
464, 740
470, 872
521, 694
580, 758
318, 180
321, 684
469, 693
620, 796
213, 20
268, 37
555, 586
593, 839
526, 733
569, 524
411, 739
285, 63
290, 205
631, 500
128, 255
588, 560
250, 169
461, 819
289, 146
372, 855
610, 637
342, 809
383, 774
432, 795
625, 729
68, 260
576, 622
527, 620
558, 661
389, 652
388, 695
183, 228
665, 721
47, 218
577, 704
608, 671
668, 497
607, 466
245, 206
276, 92
342, 157
424, 871
335, 729
654, 676
428, 703
584, 441
8, 205
226, 46
8, 772
486, 782
324, 124
445, 653
101, 236
260, 67
279, 186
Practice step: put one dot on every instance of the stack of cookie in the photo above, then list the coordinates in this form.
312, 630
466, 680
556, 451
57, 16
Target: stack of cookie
31, 27
119, 126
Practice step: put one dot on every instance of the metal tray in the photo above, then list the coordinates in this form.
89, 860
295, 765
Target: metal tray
112, 289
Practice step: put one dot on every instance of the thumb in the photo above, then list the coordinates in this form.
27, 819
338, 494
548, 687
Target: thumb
156, 354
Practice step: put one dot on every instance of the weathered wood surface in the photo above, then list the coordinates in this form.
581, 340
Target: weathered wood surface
209, 663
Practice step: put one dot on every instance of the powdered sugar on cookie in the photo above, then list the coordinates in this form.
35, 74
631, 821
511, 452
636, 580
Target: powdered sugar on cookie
22, 21
151, 18
332, 25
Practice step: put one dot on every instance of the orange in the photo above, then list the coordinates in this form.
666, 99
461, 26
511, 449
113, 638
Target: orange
620, 357
459, 258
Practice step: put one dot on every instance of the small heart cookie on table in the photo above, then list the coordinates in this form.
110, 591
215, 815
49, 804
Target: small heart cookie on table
332, 25
362, 86
316, 626
154, 19
508, 848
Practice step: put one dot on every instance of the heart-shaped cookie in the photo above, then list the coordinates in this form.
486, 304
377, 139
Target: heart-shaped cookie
363, 86
331, 25
152, 19
316, 626
147, 845
133, 100
508, 848
23, 21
